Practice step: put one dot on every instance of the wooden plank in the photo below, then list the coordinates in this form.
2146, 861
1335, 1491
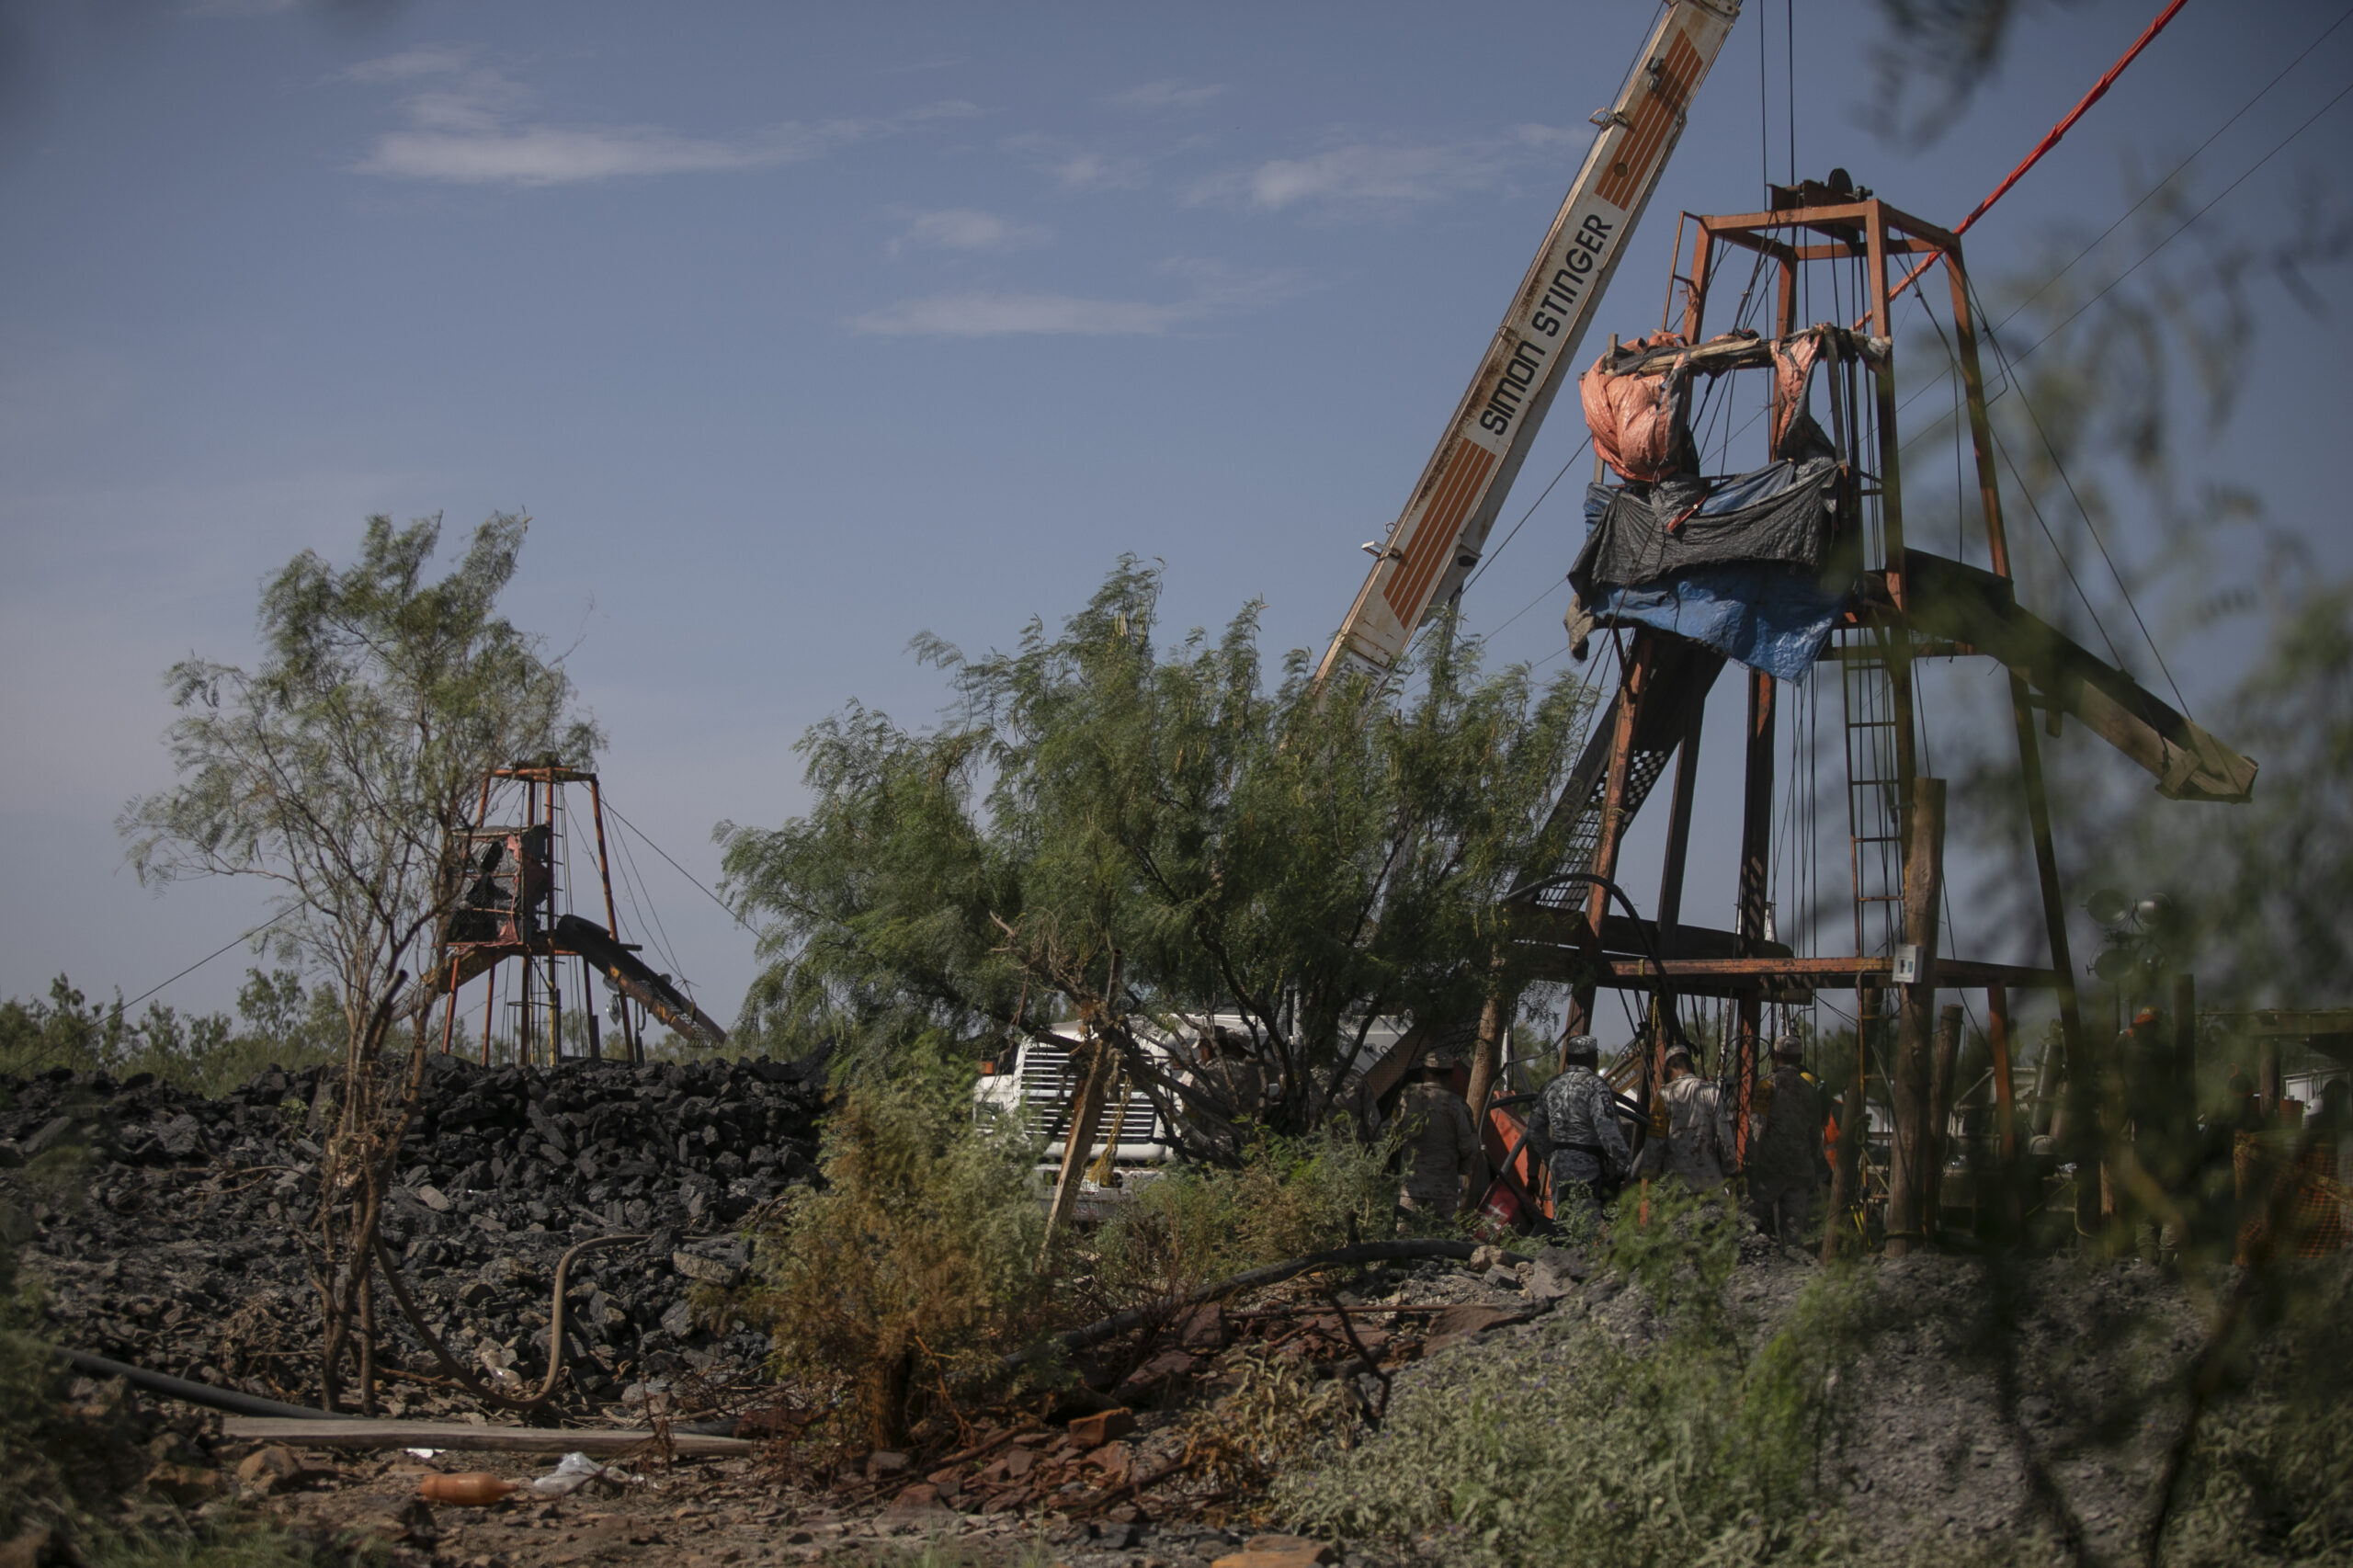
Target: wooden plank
359, 1433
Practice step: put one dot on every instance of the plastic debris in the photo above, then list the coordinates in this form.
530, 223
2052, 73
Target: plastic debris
575, 1471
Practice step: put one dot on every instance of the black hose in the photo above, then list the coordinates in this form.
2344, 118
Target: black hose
238, 1403
1249, 1279
193, 1393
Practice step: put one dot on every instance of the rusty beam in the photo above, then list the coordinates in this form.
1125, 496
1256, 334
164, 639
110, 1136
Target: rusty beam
1719, 976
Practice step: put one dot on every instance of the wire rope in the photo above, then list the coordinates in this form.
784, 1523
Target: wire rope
661, 932
2060, 467
689, 875
2044, 287
2277, 149
1764, 108
182, 974
2211, 137
1952, 360
1473, 577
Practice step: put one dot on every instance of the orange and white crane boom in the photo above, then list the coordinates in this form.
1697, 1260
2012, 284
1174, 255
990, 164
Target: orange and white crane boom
1437, 538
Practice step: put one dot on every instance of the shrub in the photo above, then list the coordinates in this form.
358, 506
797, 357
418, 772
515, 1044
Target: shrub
1286, 1197
896, 1287
1578, 1449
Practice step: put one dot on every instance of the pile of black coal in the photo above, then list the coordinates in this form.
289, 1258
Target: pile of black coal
170, 1231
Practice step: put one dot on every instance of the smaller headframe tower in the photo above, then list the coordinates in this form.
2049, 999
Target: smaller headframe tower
515, 902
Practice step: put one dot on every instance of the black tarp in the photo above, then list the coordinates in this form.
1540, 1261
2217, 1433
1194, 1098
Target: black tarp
1779, 515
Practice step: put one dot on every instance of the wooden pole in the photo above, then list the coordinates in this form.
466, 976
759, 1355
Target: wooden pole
1671, 877
1756, 862
1078, 1139
1847, 1171
1940, 1075
630, 1049
1912, 1149
1997, 1042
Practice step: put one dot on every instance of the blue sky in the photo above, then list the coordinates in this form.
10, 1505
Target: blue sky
799, 330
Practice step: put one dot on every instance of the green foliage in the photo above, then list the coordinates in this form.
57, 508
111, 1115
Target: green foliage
1578, 1449
1286, 1197
902, 1280
277, 1023
1110, 830
2270, 1476
336, 770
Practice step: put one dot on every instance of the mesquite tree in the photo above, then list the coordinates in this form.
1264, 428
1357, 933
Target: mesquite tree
1107, 833
338, 771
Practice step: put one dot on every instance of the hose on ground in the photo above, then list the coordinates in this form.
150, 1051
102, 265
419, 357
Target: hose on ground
235, 1402
206, 1395
449, 1364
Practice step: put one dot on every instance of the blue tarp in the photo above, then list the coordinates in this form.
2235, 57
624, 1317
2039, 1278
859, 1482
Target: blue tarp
1769, 618
1750, 586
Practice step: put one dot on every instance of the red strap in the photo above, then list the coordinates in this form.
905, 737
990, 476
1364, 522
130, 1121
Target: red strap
2050, 140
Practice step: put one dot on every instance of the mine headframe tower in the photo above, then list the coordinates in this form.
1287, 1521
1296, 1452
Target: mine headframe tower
1887, 605
514, 904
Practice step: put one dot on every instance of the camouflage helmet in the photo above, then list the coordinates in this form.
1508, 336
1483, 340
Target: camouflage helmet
1582, 1048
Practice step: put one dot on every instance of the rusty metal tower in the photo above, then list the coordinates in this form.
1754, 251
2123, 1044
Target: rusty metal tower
513, 903
1901, 603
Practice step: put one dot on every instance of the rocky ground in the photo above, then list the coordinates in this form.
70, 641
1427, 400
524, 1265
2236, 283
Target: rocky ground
1030, 1483
171, 1241
173, 1238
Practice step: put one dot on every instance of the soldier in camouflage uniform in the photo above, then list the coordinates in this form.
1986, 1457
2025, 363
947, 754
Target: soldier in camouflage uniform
1787, 1163
1573, 1130
1441, 1141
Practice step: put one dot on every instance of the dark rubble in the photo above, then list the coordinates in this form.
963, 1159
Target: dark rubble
173, 1240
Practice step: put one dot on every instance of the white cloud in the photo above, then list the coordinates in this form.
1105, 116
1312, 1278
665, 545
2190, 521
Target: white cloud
1155, 95
998, 315
967, 228
1083, 172
465, 127
433, 60
546, 154
1555, 138
1357, 175
1077, 170
1216, 292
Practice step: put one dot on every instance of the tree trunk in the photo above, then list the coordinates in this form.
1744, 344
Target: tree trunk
1486, 1066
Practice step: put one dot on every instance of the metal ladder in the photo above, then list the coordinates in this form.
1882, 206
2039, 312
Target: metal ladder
1874, 823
